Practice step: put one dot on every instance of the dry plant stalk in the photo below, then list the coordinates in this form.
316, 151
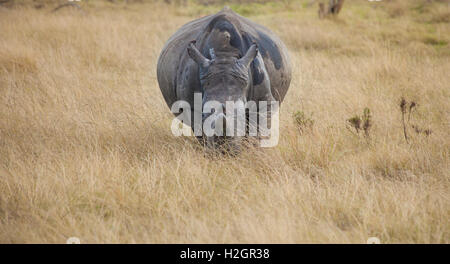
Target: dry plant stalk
403, 110
409, 107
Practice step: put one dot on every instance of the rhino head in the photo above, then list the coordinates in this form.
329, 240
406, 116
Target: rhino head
223, 78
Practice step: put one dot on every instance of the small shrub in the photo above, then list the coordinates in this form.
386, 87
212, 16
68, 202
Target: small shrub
363, 122
302, 121
355, 122
367, 121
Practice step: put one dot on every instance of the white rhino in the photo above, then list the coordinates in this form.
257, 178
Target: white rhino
224, 57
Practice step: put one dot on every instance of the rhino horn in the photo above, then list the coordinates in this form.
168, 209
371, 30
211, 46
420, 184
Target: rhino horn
249, 56
197, 56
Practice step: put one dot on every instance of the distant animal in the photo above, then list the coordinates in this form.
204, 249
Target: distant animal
225, 57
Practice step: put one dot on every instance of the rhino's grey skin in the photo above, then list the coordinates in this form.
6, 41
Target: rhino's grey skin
224, 38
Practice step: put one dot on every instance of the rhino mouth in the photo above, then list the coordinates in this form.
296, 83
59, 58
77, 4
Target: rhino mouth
215, 142
222, 145
219, 141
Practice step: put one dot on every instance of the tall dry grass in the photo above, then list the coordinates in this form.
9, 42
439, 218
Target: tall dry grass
86, 148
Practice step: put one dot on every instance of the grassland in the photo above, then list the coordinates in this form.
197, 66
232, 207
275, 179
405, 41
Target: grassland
86, 148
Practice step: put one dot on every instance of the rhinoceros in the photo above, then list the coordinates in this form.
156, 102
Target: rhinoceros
222, 57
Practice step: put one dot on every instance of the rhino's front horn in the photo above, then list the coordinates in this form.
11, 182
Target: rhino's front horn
195, 54
220, 124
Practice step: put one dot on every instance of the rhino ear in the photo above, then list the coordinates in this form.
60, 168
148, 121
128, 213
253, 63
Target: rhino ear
197, 56
251, 54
